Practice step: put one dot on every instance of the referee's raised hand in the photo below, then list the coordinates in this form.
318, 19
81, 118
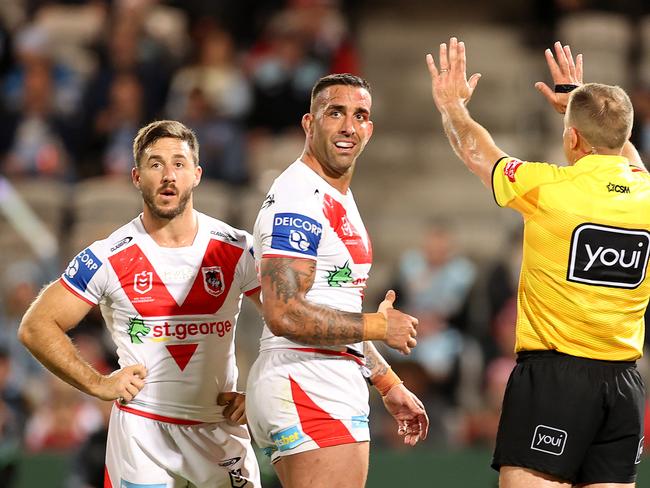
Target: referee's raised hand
566, 73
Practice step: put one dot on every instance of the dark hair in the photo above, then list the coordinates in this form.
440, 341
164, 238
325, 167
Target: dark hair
338, 79
150, 133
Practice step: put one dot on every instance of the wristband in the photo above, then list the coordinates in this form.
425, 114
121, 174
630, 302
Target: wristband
375, 326
384, 382
565, 88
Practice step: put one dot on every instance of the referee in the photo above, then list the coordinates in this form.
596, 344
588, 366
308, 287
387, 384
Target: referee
573, 408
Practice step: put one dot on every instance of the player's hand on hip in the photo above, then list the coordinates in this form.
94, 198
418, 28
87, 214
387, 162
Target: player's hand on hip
409, 413
449, 83
401, 328
564, 71
123, 384
235, 403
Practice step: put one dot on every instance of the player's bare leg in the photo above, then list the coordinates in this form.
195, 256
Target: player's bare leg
344, 465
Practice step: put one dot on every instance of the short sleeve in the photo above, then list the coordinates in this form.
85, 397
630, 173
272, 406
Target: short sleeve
295, 231
249, 282
516, 183
86, 275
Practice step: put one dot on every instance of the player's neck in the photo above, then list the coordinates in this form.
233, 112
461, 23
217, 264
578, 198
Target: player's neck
179, 231
339, 182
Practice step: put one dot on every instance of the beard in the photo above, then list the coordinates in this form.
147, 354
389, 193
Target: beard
167, 213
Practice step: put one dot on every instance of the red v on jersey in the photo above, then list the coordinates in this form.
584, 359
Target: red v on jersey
339, 221
151, 298
182, 353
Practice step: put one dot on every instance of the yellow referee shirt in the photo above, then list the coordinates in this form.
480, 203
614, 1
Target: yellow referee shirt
583, 288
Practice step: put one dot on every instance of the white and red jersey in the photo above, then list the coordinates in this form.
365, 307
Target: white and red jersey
173, 310
305, 217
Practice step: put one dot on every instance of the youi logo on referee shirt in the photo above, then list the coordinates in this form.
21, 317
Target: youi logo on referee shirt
549, 440
608, 256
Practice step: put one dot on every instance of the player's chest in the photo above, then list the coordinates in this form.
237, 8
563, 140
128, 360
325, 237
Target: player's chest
173, 283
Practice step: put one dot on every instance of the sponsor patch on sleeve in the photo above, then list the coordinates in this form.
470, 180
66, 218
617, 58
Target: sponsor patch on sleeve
82, 268
296, 233
511, 168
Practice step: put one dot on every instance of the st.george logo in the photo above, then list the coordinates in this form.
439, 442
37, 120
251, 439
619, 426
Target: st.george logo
608, 256
143, 282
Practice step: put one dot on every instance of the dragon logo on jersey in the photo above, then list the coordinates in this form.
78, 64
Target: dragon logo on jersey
340, 275
143, 282
137, 329
213, 280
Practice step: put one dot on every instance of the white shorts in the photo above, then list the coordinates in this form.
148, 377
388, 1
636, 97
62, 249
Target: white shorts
299, 401
141, 452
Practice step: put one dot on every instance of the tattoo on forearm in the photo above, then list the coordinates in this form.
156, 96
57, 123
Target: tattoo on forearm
285, 282
374, 361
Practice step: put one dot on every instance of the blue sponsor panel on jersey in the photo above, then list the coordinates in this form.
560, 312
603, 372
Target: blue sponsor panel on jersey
82, 268
296, 233
128, 484
288, 438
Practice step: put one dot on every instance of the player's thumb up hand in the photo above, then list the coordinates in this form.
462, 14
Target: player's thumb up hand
387, 303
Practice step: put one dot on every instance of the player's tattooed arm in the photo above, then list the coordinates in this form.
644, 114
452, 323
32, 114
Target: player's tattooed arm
375, 363
287, 312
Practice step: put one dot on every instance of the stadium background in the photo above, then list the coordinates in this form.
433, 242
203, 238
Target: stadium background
78, 78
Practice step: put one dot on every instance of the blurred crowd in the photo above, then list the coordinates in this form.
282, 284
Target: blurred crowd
77, 80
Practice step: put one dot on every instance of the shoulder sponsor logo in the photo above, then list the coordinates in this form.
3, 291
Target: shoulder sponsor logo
82, 268
268, 201
224, 235
143, 282
339, 276
297, 233
121, 243
288, 438
617, 188
549, 440
608, 256
213, 280
137, 329
511, 168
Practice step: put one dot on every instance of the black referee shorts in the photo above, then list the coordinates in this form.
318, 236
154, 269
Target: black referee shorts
578, 419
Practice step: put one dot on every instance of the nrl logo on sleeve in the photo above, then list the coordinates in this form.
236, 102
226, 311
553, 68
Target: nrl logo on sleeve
511, 168
213, 280
608, 256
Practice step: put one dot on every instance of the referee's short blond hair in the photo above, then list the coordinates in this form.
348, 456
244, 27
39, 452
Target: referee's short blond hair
603, 114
